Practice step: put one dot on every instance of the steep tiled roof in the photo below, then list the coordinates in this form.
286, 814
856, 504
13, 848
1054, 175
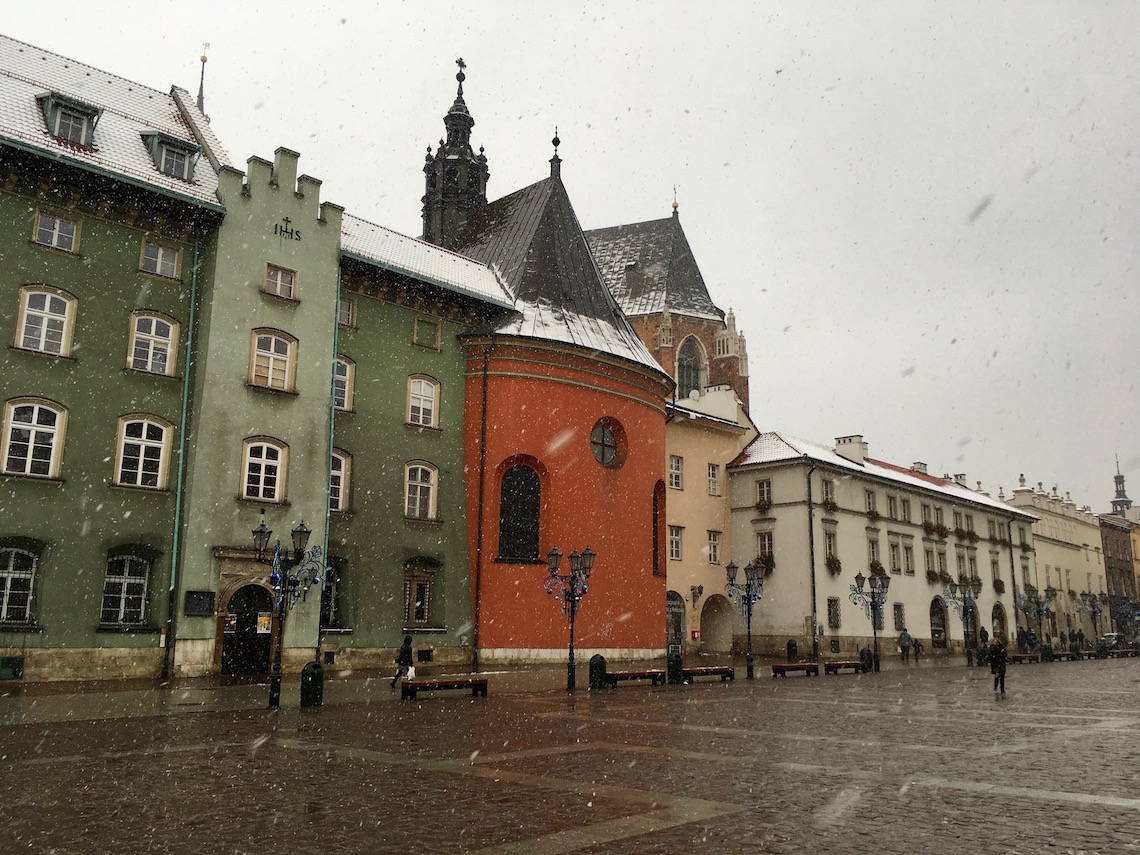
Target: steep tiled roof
534, 242
775, 447
129, 110
393, 251
649, 267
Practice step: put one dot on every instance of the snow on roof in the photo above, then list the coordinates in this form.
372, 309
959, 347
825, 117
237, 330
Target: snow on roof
420, 260
129, 110
776, 447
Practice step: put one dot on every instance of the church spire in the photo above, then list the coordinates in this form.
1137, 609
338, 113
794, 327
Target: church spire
556, 161
1121, 503
202, 82
455, 178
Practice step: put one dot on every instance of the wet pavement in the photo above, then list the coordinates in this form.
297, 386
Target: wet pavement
911, 760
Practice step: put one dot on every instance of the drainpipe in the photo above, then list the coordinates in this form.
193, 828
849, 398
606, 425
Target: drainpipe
811, 561
479, 516
328, 467
1012, 572
179, 489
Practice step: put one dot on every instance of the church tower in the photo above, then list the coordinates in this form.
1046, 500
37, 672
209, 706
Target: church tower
455, 178
1121, 503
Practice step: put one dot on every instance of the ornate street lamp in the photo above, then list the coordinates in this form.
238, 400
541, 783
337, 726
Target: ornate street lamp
1094, 605
752, 591
290, 579
962, 596
872, 602
572, 587
1032, 602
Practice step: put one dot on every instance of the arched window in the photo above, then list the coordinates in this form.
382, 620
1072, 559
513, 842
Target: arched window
152, 344
124, 590
264, 465
47, 317
17, 573
273, 359
33, 437
420, 491
518, 514
144, 452
658, 528
690, 367
423, 402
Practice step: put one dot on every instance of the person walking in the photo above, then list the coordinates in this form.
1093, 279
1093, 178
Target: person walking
998, 657
403, 660
917, 647
904, 645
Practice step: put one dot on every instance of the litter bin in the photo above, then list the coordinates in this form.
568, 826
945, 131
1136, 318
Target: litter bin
868, 660
793, 650
312, 685
597, 672
675, 668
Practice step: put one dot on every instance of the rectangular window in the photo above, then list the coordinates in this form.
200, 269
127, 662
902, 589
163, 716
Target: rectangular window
279, 281
828, 490
346, 312
56, 232
72, 126
929, 556
339, 481
973, 562
995, 569
124, 591
17, 570
417, 601
331, 613
969, 522
941, 563
833, 612
938, 516
904, 509
1024, 572
675, 542
159, 260
870, 500
676, 472
714, 479
896, 555
957, 519
344, 374
425, 333
900, 617
1021, 535
764, 492
828, 544
764, 544
174, 162
714, 547
961, 562
877, 616
872, 550
892, 507
992, 526
926, 513
908, 560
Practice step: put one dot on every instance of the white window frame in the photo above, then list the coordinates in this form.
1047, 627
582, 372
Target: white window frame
892, 507
340, 480
676, 542
45, 329
872, 550
126, 591
344, 382
895, 551
280, 282
264, 467
828, 490
72, 114
908, 559
16, 584
346, 311
829, 540
421, 494
143, 461
765, 544
676, 472
147, 344
423, 391
871, 501
904, 509
57, 232
160, 260
40, 435
714, 547
764, 491
269, 368
417, 609
714, 479
174, 161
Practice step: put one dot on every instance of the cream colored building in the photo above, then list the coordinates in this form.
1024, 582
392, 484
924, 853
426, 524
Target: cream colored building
1069, 559
705, 432
826, 513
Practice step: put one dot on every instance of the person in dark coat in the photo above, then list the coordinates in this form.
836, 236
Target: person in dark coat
998, 658
403, 660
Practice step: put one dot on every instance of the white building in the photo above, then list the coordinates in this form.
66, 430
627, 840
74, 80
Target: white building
821, 514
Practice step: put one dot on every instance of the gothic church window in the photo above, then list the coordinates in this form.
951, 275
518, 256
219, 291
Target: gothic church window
690, 368
519, 495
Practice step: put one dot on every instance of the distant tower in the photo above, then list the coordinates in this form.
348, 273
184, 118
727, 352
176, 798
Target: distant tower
455, 178
1121, 503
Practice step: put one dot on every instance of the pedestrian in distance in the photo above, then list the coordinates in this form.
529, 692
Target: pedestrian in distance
917, 647
998, 657
1021, 639
1064, 641
904, 645
984, 636
403, 660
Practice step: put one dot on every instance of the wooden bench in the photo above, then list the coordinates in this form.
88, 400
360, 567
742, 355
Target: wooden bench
1122, 651
725, 672
1021, 658
781, 669
1065, 655
477, 685
654, 674
834, 665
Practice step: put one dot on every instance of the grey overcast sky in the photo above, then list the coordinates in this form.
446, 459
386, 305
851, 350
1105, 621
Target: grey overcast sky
924, 215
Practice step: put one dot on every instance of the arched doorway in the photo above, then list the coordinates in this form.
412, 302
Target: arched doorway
716, 624
674, 620
937, 623
999, 623
246, 631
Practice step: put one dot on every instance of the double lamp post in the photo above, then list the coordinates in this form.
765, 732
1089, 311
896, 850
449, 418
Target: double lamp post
752, 591
872, 600
963, 596
572, 586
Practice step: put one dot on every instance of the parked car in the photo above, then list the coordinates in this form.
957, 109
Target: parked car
1111, 640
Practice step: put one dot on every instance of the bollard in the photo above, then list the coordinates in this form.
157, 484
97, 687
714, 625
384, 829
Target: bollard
793, 650
674, 668
312, 685
597, 672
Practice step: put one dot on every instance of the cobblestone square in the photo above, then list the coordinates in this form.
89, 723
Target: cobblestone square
912, 760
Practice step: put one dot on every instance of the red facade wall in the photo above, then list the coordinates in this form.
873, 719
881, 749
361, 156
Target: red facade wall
542, 401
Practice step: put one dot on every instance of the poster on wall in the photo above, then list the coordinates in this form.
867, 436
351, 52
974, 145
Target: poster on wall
264, 622
230, 623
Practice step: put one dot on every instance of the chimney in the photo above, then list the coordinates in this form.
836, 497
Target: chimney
919, 467
960, 479
851, 448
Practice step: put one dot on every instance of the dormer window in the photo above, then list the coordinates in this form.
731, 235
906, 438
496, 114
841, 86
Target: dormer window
69, 120
172, 156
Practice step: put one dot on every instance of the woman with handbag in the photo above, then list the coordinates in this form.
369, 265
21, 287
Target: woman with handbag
403, 660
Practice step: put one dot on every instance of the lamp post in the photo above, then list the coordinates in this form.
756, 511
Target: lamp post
872, 602
290, 579
1094, 604
752, 591
962, 597
1033, 602
572, 586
